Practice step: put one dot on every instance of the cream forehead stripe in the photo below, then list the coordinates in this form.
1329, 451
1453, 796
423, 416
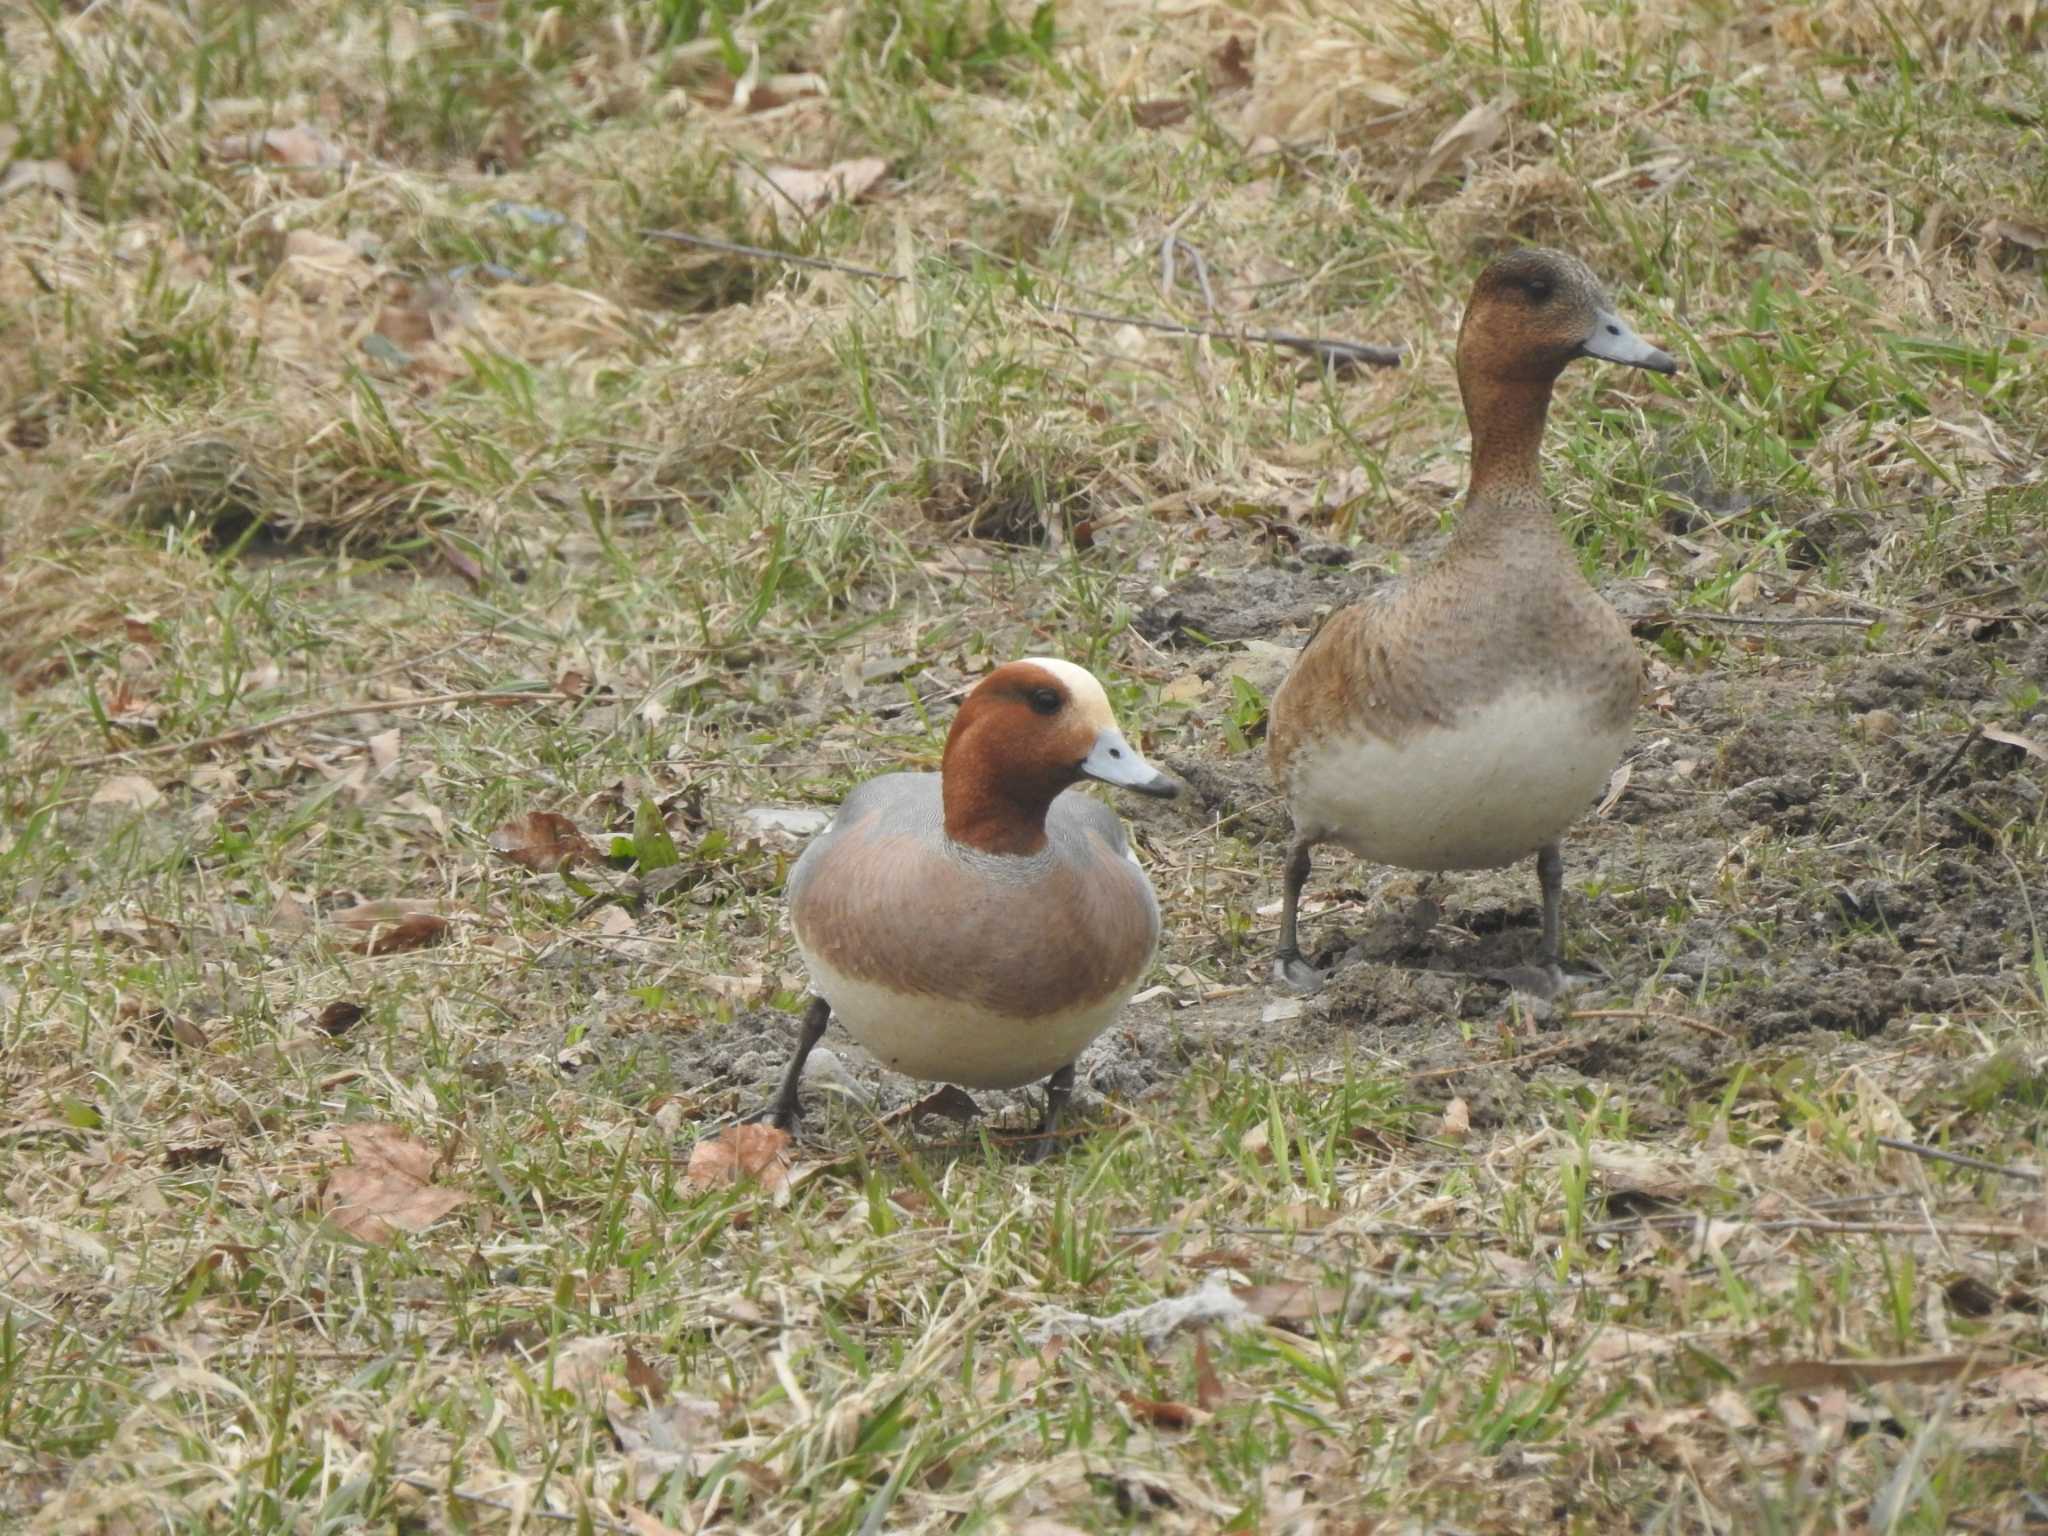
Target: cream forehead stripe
1090, 702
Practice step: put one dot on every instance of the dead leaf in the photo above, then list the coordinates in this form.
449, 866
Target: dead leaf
210, 1154
1233, 65
2026, 744
750, 1151
52, 176
734, 989
460, 560
1185, 689
1293, 1305
297, 147
790, 821
1161, 1413
790, 191
131, 791
386, 1189
642, 1377
1617, 785
1819, 1375
2019, 232
1457, 1123
573, 684
543, 840
1208, 1385
339, 1017
945, 1101
392, 927
1160, 114
1470, 136
384, 750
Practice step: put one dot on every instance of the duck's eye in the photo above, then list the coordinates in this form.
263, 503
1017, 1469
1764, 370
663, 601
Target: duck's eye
1538, 289
1045, 700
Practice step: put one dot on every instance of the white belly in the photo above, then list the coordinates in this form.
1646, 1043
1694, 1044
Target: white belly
1494, 787
943, 1041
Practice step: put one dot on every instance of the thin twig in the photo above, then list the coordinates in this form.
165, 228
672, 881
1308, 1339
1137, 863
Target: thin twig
1654, 1013
1760, 621
1342, 354
1976, 734
1960, 1159
308, 716
1503, 1061
598, 1521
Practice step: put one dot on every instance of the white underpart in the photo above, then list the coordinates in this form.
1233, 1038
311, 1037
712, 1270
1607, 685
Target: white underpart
1494, 787
1090, 703
942, 1040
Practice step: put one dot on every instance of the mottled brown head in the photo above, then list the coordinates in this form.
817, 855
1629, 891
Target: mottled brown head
1534, 310
1029, 730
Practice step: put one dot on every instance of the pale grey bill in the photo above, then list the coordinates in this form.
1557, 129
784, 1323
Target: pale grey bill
1612, 339
1116, 761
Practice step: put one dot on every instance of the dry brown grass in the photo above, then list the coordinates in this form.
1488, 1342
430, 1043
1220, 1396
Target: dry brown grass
339, 371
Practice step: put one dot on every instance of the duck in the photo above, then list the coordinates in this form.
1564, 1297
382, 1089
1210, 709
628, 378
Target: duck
979, 925
1465, 717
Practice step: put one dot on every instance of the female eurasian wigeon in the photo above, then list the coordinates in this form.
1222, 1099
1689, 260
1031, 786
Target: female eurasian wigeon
1465, 718
975, 925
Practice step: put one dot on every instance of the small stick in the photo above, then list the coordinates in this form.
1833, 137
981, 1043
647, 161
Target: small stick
1961, 1159
1654, 1013
1502, 1061
1336, 353
308, 716
1976, 734
1764, 620
598, 1521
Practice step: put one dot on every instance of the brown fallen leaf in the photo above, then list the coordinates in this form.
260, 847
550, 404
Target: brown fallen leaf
297, 147
1160, 114
750, 1151
1233, 64
1819, 1375
2027, 236
392, 927
945, 1101
130, 791
385, 1190
790, 191
1291, 1304
1457, 1123
1208, 1385
339, 1017
211, 1154
1162, 1413
460, 560
1469, 137
543, 840
2026, 744
642, 1377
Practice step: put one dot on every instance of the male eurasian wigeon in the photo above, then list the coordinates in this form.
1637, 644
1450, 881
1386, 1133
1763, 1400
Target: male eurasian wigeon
976, 925
1464, 718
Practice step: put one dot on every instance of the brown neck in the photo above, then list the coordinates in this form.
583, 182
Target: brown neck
986, 810
1506, 416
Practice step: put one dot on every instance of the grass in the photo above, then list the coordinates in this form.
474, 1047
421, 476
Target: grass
400, 448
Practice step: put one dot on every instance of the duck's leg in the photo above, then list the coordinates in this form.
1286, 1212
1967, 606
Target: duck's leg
1289, 969
1059, 1091
1550, 878
783, 1114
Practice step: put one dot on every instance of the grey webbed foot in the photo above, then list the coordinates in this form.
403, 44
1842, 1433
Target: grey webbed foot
1297, 975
